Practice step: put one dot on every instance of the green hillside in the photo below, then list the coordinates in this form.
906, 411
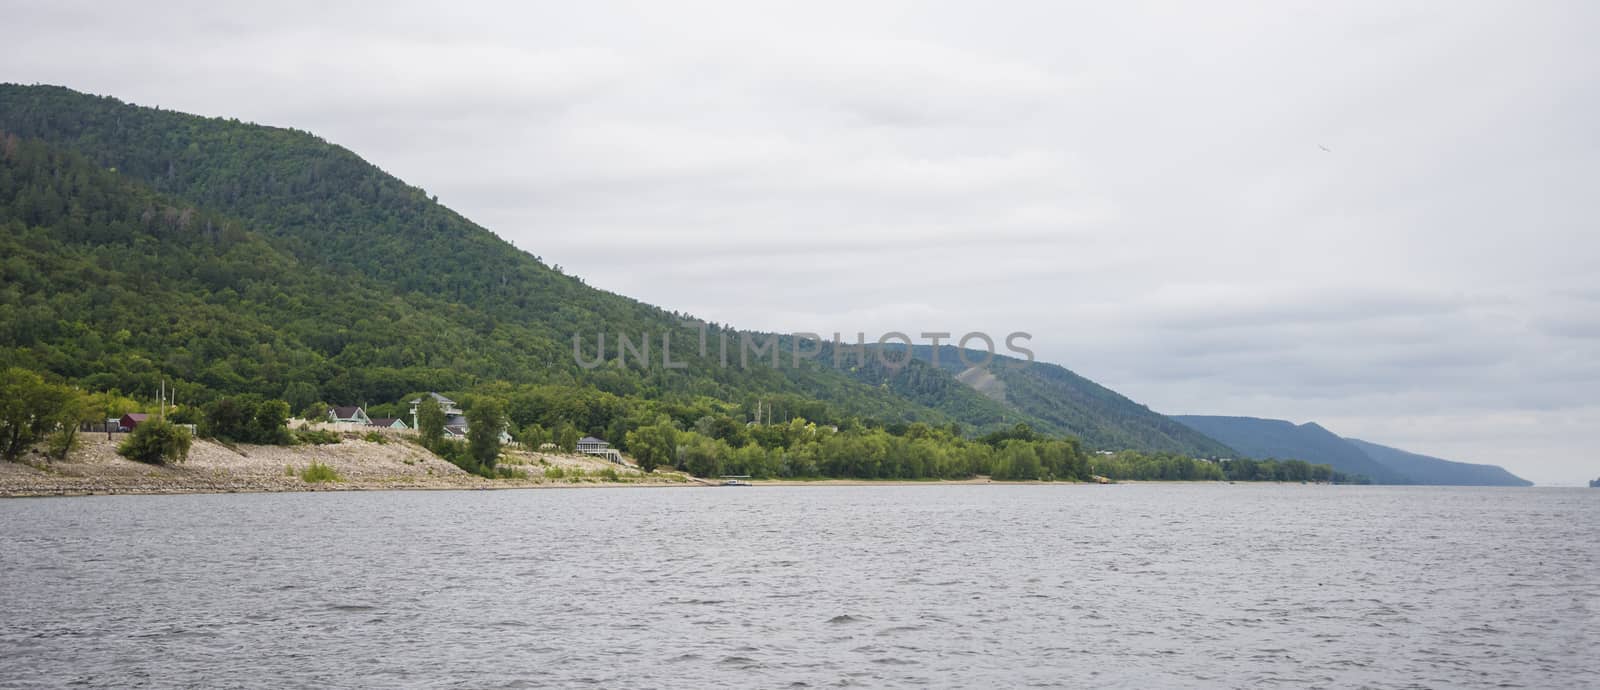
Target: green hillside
358, 284
1065, 401
227, 257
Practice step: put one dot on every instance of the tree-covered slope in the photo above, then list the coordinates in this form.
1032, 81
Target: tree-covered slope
1275, 438
343, 247
1424, 469
145, 244
1061, 400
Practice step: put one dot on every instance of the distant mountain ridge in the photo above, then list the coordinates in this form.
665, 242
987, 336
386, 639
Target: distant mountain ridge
1276, 438
1424, 469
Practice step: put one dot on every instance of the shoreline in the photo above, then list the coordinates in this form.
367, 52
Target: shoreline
95, 469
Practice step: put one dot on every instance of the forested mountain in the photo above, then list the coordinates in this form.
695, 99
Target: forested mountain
1103, 418
1275, 438
1423, 469
225, 257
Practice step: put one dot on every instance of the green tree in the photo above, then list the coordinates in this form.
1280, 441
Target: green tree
533, 436
300, 395
268, 423
30, 409
567, 438
655, 445
485, 420
701, 456
225, 420
76, 409
1017, 461
316, 412
247, 419
430, 422
156, 442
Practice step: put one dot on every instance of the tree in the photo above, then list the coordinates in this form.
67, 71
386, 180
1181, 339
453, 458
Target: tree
533, 436
156, 442
655, 445
1017, 460
30, 409
247, 419
567, 438
430, 421
300, 395
485, 420
75, 410
701, 456
315, 412
224, 420
268, 423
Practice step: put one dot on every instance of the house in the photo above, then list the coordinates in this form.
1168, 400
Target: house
353, 415
590, 445
132, 420
455, 420
388, 423
452, 412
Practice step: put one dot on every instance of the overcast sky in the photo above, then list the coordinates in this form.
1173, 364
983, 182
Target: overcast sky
1379, 216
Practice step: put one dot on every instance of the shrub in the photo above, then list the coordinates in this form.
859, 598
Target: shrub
317, 473
554, 472
156, 442
375, 437
318, 437
510, 473
609, 474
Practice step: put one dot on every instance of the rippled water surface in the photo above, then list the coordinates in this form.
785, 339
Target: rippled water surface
968, 586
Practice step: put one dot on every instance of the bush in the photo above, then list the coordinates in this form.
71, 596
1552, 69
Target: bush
318, 437
156, 442
375, 437
510, 473
554, 472
317, 473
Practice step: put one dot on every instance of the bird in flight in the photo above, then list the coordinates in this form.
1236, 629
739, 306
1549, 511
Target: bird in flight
1324, 148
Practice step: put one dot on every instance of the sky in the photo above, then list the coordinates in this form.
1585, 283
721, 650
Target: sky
1378, 216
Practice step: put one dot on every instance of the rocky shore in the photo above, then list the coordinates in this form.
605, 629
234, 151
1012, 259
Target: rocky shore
95, 468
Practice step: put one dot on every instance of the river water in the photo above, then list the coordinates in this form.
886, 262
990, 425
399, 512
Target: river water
1146, 585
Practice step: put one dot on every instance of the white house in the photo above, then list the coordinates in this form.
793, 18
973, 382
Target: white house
452, 412
353, 415
455, 420
590, 445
